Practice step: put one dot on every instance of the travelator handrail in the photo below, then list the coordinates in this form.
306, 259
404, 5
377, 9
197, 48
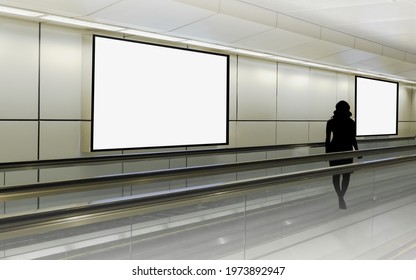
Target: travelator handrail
12, 226
106, 159
87, 184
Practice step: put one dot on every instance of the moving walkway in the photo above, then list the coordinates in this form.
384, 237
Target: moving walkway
286, 215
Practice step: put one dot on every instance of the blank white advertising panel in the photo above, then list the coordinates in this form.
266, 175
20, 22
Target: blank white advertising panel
376, 107
147, 95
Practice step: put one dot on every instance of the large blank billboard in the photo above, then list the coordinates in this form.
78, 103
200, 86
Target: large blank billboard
147, 96
376, 106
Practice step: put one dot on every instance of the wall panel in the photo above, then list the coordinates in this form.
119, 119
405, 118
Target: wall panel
292, 132
18, 141
317, 131
232, 130
322, 89
60, 139
256, 89
61, 75
21, 177
256, 133
78, 172
345, 87
404, 129
405, 103
19, 53
233, 88
293, 97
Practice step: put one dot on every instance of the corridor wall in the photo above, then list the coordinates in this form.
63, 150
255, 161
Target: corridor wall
45, 105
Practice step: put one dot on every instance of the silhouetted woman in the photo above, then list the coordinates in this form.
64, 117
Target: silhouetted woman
343, 131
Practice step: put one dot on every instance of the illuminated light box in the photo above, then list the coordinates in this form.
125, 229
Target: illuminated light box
376, 107
149, 96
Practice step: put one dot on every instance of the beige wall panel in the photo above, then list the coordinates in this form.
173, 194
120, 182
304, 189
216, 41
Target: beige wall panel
350, 98
317, 131
413, 117
323, 91
18, 141
19, 54
293, 97
21, 177
405, 103
232, 99
412, 129
256, 89
86, 79
209, 160
146, 165
345, 90
232, 134
405, 129
60, 139
292, 132
77, 172
61, 73
256, 133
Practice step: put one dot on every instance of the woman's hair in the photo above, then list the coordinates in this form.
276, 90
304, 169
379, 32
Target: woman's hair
342, 109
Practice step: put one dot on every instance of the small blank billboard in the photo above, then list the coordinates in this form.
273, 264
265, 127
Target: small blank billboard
376, 105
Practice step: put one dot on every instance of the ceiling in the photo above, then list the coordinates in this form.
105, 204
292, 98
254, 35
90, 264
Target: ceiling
371, 35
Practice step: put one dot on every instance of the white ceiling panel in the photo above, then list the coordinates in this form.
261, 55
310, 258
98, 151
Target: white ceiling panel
389, 28
348, 57
161, 15
316, 50
222, 28
242, 10
405, 42
411, 74
275, 40
359, 14
290, 6
378, 62
397, 68
213, 5
61, 7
